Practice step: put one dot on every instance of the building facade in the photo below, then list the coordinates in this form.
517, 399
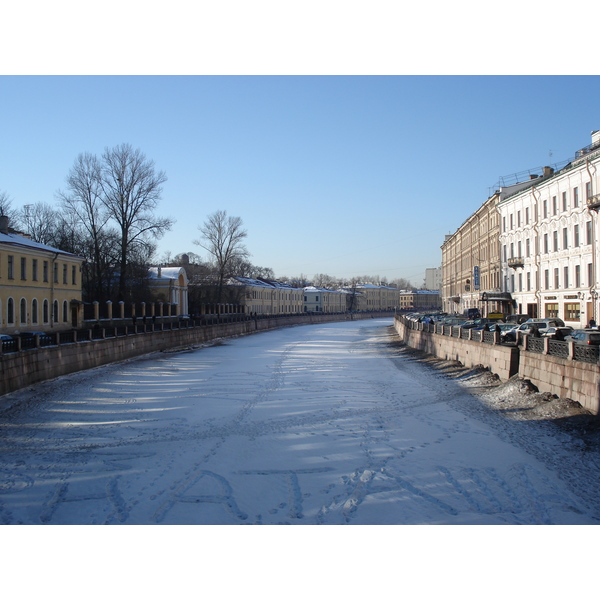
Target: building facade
548, 240
324, 300
170, 285
419, 300
40, 286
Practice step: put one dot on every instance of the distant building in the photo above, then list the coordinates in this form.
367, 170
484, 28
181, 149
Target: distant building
40, 286
433, 278
324, 300
170, 285
419, 300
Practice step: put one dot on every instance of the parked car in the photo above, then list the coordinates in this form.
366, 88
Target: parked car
6, 338
589, 337
527, 328
552, 332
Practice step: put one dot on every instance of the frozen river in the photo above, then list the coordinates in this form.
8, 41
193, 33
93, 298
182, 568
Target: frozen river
320, 424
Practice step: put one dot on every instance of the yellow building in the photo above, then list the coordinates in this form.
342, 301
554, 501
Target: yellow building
40, 286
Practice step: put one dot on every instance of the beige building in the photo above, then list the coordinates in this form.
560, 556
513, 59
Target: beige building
266, 297
40, 286
324, 300
371, 297
471, 270
419, 300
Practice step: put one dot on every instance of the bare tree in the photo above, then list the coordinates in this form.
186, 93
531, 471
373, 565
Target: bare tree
42, 222
83, 202
222, 237
131, 190
7, 210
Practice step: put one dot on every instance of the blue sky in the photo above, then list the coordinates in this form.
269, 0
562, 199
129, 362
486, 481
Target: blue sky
344, 175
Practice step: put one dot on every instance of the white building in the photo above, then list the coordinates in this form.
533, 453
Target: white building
548, 241
170, 284
433, 278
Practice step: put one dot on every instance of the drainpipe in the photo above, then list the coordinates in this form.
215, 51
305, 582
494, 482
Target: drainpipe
536, 196
592, 283
52, 290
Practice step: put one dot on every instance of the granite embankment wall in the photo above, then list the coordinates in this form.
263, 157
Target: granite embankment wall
565, 377
21, 369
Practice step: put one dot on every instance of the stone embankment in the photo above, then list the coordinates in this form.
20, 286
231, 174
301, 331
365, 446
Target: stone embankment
26, 367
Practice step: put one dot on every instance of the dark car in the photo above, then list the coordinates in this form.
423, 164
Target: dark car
584, 336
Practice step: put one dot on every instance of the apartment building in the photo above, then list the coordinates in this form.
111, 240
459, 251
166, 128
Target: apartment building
471, 274
419, 300
548, 240
324, 300
40, 286
267, 297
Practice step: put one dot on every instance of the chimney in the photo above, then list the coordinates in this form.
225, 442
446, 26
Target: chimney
159, 272
3, 224
548, 171
533, 176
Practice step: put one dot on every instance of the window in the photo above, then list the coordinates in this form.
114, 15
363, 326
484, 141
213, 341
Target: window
572, 311
566, 277
503, 224
545, 243
588, 232
528, 281
46, 315
520, 282
551, 311
65, 274
45, 271
547, 279
55, 311
556, 280
74, 275
588, 190
575, 197
34, 269
527, 215
511, 221
10, 312
554, 206
565, 238
519, 218
527, 248
512, 250
65, 311
23, 269
34, 311
519, 250
55, 273
577, 276
11, 267
23, 311
555, 240
590, 276
545, 209
576, 236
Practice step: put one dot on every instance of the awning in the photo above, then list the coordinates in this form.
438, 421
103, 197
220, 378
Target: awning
496, 297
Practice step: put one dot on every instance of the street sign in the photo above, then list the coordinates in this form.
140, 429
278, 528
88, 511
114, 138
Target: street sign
476, 277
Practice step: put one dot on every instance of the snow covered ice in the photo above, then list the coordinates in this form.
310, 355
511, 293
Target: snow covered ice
320, 424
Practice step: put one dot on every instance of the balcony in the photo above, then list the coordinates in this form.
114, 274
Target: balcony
593, 202
516, 263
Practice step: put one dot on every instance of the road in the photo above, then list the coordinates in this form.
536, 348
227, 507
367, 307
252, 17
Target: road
320, 424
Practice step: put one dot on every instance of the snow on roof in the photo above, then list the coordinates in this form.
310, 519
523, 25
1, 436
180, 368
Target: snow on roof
14, 239
166, 273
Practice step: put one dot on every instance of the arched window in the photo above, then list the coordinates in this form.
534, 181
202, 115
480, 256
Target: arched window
46, 311
10, 312
55, 312
23, 311
34, 311
65, 311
